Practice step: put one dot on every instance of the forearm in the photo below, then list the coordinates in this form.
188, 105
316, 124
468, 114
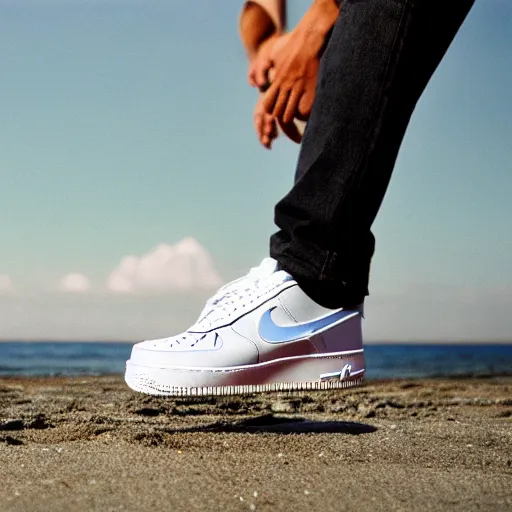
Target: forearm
318, 20
260, 20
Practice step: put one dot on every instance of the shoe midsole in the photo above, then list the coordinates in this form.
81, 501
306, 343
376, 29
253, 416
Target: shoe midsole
332, 368
344, 354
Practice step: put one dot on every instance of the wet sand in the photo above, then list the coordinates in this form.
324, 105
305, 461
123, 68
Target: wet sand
92, 444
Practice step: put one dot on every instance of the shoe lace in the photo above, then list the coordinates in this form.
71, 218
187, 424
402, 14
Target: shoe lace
265, 268
240, 293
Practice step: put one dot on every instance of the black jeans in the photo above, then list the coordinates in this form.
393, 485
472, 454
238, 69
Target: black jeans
379, 59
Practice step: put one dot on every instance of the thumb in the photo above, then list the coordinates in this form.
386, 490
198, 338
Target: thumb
258, 72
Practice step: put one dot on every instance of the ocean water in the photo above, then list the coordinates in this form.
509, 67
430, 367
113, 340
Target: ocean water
413, 360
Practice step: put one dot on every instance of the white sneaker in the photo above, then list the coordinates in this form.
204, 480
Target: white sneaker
258, 333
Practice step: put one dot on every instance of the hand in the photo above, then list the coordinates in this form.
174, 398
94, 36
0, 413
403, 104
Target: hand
266, 125
261, 64
295, 61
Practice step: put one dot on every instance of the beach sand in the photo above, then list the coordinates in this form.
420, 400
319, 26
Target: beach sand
92, 444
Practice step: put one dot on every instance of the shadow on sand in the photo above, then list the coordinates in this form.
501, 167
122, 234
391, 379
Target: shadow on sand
270, 423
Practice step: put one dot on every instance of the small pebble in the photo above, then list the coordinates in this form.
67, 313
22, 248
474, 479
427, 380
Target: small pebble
306, 492
281, 407
255, 494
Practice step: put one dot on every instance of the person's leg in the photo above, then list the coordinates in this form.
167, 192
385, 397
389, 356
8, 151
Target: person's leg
379, 59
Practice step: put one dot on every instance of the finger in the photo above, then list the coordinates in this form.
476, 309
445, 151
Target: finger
250, 75
258, 126
269, 124
258, 120
261, 72
292, 104
270, 98
257, 75
306, 104
270, 132
281, 102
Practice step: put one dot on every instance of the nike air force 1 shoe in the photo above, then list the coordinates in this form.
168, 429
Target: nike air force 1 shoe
258, 333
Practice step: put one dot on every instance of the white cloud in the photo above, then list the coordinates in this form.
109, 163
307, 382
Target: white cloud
74, 283
183, 266
5, 283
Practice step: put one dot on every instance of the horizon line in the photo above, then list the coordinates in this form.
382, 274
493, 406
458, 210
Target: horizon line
369, 342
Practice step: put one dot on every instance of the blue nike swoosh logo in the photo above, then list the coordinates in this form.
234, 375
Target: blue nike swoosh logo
273, 333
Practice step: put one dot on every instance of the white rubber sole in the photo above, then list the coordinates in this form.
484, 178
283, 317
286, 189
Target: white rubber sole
314, 372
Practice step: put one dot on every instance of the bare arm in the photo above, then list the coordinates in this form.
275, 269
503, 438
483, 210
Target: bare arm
259, 20
318, 20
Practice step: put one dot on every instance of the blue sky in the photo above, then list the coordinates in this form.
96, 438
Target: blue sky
127, 124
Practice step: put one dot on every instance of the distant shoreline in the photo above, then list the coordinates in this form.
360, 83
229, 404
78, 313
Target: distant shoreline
384, 360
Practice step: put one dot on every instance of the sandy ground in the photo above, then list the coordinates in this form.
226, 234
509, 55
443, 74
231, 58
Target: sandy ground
92, 444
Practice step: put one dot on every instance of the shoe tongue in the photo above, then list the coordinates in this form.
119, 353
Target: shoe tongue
267, 267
